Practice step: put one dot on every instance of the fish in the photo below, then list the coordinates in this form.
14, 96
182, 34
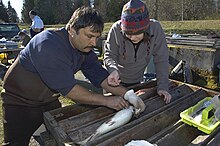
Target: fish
120, 118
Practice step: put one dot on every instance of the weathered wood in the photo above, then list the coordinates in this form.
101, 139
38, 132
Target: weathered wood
151, 123
86, 131
152, 91
198, 140
156, 137
77, 122
194, 41
52, 118
48, 139
70, 111
194, 88
215, 141
184, 133
212, 136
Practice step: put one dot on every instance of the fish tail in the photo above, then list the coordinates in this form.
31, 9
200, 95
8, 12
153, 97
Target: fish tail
90, 138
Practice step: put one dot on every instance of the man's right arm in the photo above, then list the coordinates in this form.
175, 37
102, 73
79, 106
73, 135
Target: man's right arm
82, 95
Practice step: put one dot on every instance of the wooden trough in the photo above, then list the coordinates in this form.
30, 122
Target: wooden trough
160, 123
202, 41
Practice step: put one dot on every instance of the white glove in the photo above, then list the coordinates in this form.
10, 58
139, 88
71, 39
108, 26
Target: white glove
138, 103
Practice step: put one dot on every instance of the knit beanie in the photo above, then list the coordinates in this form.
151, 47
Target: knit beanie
134, 17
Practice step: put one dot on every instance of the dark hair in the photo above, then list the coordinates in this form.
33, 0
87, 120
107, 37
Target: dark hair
84, 17
21, 33
147, 37
32, 12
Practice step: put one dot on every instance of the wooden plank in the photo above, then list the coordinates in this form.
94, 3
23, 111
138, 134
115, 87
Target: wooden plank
73, 123
192, 44
151, 123
69, 111
192, 38
152, 91
198, 140
89, 128
65, 123
48, 139
194, 41
181, 136
212, 139
215, 141
52, 125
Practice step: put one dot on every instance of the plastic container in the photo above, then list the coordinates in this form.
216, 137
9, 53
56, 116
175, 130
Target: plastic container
201, 116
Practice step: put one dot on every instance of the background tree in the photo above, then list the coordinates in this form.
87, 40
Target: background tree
175, 10
52, 11
12, 15
3, 12
110, 9
59, 11
27, 6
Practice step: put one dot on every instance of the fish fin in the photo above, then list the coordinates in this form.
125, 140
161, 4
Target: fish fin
90, 138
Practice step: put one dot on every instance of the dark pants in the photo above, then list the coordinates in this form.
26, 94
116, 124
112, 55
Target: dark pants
33, 33
20, 122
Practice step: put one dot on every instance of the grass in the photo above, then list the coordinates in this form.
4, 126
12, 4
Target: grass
198, 26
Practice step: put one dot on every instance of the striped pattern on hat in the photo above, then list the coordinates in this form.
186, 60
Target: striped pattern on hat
134, 17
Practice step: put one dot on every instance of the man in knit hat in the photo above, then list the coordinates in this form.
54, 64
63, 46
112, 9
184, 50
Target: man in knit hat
130, 44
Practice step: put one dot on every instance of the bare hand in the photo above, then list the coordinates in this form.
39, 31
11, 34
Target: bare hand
117, 103
166, 95
113, 79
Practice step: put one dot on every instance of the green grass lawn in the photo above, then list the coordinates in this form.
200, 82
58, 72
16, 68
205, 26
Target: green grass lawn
199, 26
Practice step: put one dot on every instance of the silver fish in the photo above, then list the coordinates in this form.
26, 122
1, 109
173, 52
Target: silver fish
120, 118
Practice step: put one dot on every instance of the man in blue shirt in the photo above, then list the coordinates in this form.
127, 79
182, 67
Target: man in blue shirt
37, 23
45, 69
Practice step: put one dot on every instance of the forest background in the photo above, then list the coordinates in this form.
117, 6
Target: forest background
59, 11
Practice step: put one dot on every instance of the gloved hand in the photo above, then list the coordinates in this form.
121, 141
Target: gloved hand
138, 103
